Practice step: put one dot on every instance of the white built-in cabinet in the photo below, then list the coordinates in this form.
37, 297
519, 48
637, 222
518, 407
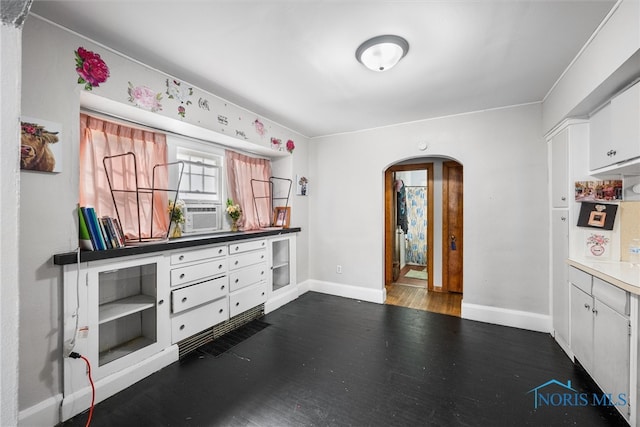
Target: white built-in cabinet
615, 130
567, 148
129, 315
600, 334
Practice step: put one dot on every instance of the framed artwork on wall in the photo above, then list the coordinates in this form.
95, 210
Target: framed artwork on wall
40, 145
281, 216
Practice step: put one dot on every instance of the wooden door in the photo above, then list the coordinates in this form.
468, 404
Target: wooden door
452, 227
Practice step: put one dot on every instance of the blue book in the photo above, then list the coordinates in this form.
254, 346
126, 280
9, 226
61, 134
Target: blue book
91, 228
98, 230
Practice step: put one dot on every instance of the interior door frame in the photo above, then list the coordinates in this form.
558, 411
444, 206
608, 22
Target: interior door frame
445, 227
390, 223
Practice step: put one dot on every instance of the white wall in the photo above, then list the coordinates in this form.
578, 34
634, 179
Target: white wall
10, 61
47, 212
505, 213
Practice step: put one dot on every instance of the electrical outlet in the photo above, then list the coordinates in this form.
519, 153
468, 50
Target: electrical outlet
339, 269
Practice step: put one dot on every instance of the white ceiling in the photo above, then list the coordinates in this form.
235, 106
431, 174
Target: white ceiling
294, 61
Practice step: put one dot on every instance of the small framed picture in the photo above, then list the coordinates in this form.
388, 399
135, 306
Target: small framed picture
281, 216
596, 219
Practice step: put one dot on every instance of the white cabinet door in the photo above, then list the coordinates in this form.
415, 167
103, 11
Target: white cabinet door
559, 275
560, 170
600, 143
611, 351
582, 327
625, 124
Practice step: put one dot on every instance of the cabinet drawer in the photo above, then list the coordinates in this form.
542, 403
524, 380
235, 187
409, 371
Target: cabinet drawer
612, 296
200, 293
197, 255
247, 298
198, 272
239, 279
247, 259
236, 248
581, 279
198, 319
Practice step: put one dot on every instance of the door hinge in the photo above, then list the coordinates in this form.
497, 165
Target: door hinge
629, 328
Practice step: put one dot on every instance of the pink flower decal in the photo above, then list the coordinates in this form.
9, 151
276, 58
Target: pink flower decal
276, 144
181, 111
145, 98
290, 146
259, 127
91, 69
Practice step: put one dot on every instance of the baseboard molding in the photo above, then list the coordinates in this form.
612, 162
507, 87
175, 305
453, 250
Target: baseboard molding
45, 413
506, 317
80, 400
563, 345
348, 291
284, 297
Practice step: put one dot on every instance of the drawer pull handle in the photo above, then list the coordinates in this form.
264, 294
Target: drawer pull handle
220, 266
262, 272
220, 250
222, 288
181, 327
182, 276
236, 263
237, 248
587, 306
237, 280
563, 198
263, 294
594, 311
220, 311
262, 243
181, 257
237, 304
184, 299
262, 257
161, 302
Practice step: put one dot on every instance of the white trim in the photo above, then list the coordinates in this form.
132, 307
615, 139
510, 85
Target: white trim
284, 296
506, 317
45, 413
80, 400
563, 345
348, 291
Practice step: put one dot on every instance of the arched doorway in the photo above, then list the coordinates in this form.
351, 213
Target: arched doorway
439, 182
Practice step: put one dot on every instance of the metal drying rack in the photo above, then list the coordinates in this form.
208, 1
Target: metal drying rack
270, 197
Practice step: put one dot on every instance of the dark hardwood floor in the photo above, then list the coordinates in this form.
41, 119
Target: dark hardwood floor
331, 361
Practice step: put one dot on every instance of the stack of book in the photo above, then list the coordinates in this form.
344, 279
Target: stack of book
99, 233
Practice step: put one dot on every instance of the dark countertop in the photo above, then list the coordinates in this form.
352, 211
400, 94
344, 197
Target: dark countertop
172, 244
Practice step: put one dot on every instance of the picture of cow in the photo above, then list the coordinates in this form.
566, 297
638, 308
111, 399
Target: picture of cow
37, 151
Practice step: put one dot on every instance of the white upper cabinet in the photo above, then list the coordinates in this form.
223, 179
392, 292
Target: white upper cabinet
615, 130
559, 170
600, 143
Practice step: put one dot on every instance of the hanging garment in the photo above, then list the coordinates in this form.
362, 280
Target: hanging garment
401, 210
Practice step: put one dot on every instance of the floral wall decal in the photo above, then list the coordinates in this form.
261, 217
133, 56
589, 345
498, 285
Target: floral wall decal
276, 144
259, 127
91, 69
597, 244
145, 98
290, 146
175, 90
203, 103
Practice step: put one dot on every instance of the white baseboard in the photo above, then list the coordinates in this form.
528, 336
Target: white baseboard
563, 344
284, 296
348, 291
45, 413
506, 317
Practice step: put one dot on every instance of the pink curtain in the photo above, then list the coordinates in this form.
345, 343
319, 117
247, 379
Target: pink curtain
241, 170
100, 138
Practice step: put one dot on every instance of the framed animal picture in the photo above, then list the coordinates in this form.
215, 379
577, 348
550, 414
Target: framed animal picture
40, 145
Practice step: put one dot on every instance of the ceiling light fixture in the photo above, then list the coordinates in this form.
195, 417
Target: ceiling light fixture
381, 53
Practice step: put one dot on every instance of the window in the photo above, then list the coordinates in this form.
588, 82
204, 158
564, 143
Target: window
201, 176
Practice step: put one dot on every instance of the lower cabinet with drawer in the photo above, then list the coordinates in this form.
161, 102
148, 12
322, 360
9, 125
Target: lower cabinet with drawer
199, 291
600, 334
248, 273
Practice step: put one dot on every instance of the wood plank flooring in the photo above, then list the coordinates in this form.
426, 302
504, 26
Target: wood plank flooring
412, 293
331, 361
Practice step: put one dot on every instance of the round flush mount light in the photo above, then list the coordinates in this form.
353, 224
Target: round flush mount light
381, 53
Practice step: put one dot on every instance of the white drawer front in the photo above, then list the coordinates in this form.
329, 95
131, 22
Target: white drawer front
239, 261
193, 321
239, 279
197, 255
611, 295
200, 293
198, 272
247, 298
235, 248
581, 279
